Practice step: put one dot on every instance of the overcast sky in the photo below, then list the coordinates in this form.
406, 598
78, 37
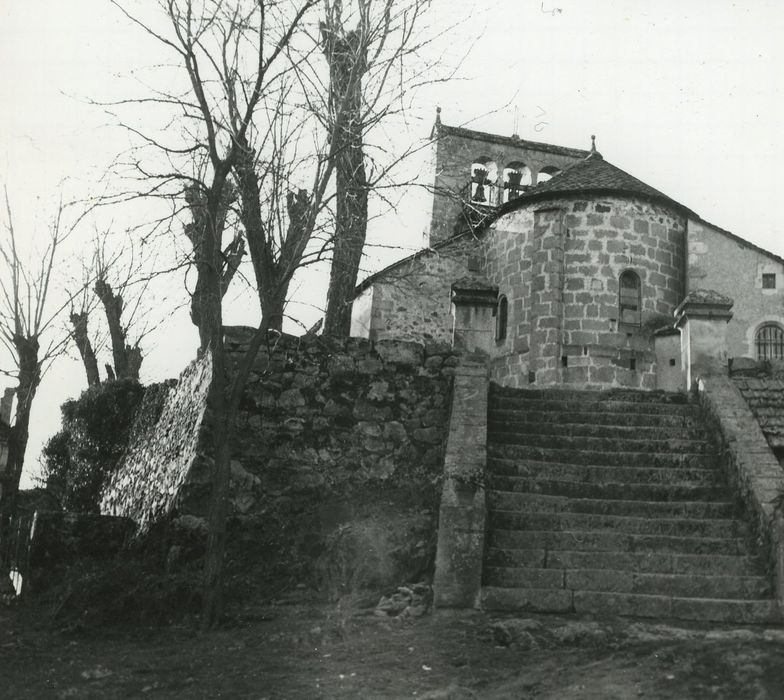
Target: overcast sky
686, 95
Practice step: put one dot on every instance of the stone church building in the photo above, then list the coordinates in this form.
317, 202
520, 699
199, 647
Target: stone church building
568, 270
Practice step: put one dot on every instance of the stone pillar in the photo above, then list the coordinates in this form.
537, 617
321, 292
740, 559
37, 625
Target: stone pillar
475, 302
546, 307
461, 520
702, 318
669, 366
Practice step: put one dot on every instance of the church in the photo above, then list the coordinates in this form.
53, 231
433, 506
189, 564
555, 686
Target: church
567, 270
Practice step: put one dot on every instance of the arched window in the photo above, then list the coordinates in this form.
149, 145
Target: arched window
629, 298
517, 179
546, 173
770, 342
501, 319
483, 176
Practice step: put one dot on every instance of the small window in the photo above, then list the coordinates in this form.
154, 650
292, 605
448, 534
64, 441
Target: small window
501, 319
629, 298
770, 342
768, 280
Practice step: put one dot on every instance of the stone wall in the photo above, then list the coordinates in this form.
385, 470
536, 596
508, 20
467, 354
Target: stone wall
720, 261
559, 270
413, 301
147, 482
751, 466
317, 412
340, 446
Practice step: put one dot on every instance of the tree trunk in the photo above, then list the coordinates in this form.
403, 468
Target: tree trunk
113, 306
350, 234
29, 378
211, 334
347, 64
82, 340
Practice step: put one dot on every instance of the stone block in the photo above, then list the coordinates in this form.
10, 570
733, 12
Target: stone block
400, 352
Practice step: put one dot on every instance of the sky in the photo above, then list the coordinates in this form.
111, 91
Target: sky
686, 95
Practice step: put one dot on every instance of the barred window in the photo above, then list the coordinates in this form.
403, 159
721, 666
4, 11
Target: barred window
770, 342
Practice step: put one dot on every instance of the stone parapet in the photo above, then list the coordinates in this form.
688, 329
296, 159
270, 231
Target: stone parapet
750, 465
461, 527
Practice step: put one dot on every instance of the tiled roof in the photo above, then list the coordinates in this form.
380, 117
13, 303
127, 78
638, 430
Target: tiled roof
593, 175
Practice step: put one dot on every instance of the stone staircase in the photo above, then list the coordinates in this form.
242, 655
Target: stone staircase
612, 502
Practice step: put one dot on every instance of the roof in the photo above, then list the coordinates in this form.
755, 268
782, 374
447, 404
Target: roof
593, 175
440, 130
368, 281
740, 241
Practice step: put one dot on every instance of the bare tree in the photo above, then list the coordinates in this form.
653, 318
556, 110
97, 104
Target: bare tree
233, 55
366, 44
118, 281
29, 334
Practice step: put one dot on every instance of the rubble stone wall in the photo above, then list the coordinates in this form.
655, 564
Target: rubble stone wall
318, 413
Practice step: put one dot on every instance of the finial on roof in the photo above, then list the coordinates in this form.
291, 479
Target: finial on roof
594, 153
438, 115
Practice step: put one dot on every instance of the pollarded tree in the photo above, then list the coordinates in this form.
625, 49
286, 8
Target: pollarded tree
233, 58
374, 53
30, 337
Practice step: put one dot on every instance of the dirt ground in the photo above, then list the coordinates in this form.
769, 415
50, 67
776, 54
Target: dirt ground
306, 650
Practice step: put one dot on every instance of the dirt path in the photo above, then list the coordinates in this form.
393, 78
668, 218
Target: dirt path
302, 651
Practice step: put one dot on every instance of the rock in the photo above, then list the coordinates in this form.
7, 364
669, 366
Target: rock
340, 365
294, 425
429, 435
291, 398
378, 391
369, 429
368, 365
395, 431
514, 633
400, 352
244, 502
241, 478
434, 363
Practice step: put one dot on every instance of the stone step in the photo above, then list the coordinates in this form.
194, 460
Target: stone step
595, 474
587, 405
763, 611
502, 424
669, 460
583, 417
638, 396
620, 524
642, 562
608, 491
714, 585
601, 444
540, 503
608, 541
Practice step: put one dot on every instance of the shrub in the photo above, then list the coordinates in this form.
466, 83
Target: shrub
95, 433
